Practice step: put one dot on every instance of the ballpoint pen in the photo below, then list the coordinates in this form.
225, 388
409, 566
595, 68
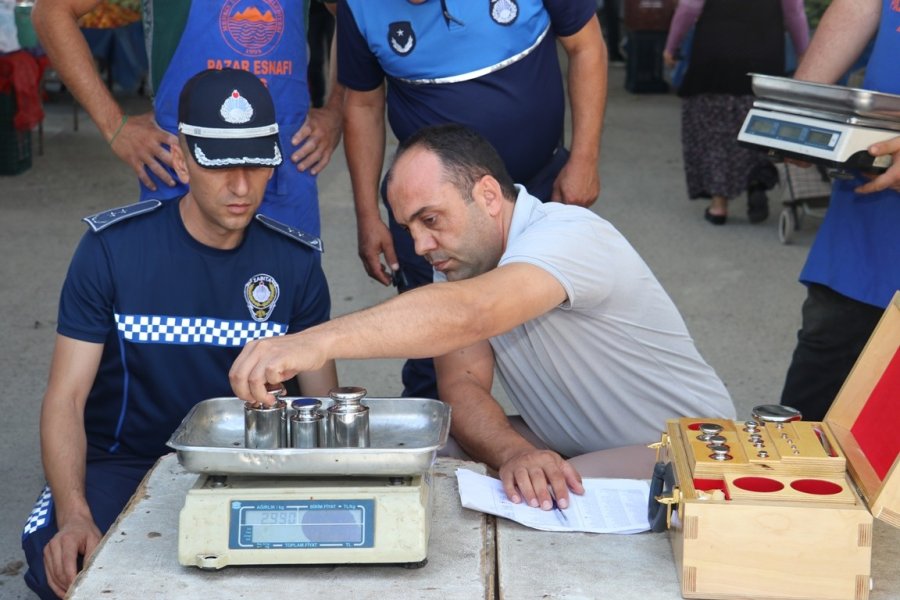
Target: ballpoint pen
560, 513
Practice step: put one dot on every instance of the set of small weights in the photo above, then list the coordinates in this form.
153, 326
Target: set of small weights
710, 433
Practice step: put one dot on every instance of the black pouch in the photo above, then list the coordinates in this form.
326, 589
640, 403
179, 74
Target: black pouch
661, 484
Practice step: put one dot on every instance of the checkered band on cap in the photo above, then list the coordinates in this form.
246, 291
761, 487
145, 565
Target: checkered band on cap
40, 513
155, 329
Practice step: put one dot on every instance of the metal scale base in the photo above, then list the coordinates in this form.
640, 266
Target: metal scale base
257, 520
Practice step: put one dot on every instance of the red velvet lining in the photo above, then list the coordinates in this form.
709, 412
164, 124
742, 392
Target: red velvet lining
758, 484
817, 487
711, 484
875, 428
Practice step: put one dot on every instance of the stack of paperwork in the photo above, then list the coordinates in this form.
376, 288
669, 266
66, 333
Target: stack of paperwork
607, 506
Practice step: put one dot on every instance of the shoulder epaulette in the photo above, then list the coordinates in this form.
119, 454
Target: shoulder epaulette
104, 219
293, 233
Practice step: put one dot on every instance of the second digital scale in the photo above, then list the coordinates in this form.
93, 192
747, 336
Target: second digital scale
825, 124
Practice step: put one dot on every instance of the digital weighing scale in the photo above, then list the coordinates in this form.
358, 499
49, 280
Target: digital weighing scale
826, 124
309, 506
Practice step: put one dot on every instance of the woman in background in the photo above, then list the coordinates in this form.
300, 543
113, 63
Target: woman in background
731, 39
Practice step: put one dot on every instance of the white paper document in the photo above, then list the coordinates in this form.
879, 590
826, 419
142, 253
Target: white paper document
607, 506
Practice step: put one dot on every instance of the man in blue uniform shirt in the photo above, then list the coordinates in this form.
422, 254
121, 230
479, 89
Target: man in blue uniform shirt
158, 301
491, 65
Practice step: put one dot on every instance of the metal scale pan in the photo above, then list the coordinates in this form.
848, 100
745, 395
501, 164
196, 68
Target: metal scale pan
405, 436
835, 98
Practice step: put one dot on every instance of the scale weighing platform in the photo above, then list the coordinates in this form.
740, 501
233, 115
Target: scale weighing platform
827, 124
309, 506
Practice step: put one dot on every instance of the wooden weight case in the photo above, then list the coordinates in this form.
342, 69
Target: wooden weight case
789, 514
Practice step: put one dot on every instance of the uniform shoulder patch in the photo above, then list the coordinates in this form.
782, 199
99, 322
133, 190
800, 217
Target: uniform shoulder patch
102, 220
292, 232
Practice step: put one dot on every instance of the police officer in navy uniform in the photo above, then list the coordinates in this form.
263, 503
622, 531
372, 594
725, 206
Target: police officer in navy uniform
159, 299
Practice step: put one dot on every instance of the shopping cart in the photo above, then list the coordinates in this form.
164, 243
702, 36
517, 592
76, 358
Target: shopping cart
805, 191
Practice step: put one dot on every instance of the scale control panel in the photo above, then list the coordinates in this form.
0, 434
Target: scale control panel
296, 524
791, 131
835, 144
241, 520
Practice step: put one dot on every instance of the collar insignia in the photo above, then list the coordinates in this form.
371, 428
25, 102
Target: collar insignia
291, 232
102, 220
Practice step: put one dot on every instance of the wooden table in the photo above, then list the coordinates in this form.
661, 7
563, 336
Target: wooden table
138, 557
538, 564
470, 556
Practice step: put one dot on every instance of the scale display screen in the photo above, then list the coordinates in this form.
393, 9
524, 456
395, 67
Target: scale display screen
819, 138
302, 524
763, 126
793, 132
786, 131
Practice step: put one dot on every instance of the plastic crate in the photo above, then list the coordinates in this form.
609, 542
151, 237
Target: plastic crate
15, 146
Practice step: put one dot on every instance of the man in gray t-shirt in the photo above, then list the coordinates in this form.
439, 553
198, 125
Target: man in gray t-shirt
591, 350
614, 360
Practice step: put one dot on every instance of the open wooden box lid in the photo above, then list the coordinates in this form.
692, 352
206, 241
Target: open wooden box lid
865, 418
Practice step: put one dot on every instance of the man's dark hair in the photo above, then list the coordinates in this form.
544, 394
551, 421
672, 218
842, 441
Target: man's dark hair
465, 155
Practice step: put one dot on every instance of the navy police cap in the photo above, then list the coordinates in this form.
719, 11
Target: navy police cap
228, 118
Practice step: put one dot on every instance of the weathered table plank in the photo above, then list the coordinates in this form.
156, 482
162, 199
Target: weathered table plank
138, 557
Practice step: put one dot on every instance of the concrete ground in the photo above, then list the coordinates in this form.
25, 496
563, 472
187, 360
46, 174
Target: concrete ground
735, 285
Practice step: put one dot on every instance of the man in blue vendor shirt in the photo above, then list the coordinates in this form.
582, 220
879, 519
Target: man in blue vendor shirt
853, 268
184, 37
158, 302
491, 65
